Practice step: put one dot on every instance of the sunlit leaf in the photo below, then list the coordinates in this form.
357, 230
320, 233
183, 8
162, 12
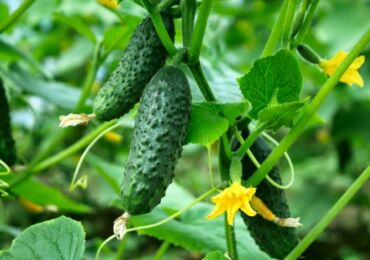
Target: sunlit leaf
58, 239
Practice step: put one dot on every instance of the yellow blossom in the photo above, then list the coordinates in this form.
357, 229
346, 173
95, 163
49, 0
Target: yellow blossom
351, 75
231, 200
109, 3
113, 137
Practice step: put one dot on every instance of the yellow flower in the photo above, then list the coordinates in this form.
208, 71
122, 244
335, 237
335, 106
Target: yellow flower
113, 137
109, 3
231, 200
351, 75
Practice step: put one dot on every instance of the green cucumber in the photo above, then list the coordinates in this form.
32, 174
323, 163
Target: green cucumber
7, 145
275, 240
160, 127
143, 57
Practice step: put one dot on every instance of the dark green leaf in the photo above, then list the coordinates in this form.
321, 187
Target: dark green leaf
272, 79
58, 239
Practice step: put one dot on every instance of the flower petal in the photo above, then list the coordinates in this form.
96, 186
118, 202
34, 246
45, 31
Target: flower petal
216, 212
357, 63
231, 213
247, 209
352, 77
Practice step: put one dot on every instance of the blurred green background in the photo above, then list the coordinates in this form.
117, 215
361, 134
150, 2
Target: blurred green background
45, 59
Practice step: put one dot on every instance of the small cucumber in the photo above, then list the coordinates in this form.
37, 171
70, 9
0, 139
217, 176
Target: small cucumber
143, 57
7, 145
160, 127
275, 240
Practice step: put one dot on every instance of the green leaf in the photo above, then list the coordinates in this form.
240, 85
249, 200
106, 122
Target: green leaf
66, 97
195, 233
44, 195
210, 120
215, 255
232, 110
61, 238
272, 79
206, 125
277, 115
77, 24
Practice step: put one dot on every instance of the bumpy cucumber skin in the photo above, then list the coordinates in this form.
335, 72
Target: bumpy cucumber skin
275, 240
143, 57
7, 145
160, 129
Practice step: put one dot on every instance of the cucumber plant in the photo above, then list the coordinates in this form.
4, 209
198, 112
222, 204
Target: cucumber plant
179, 104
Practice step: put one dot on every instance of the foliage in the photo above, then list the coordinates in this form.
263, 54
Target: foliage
55, 56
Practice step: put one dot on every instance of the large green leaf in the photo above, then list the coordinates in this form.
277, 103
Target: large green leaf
275, 78
58, 239
44, 195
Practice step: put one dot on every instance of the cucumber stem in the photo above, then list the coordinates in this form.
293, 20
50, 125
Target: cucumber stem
306, 24
329, 216
230, 240
202, 82
288, 23
188, 8
160, 28
276, 31
14, 16
199, 30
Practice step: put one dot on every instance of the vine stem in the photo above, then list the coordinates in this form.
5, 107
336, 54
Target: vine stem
163, 221
175, 215
202, 82
230, 240
276, 31
199, 30
14, 16
306, 24
250, 140
329, 216
160, 27
288, 23
188, 8
162, 250
309, 112
37, 168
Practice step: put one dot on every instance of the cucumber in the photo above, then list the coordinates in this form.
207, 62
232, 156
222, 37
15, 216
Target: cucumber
275, 240
160, 127
143, 57
7, 145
